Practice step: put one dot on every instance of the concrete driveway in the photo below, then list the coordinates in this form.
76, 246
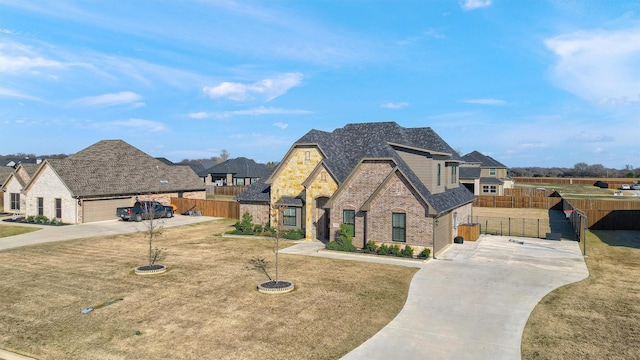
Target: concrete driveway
79, 231
473, 301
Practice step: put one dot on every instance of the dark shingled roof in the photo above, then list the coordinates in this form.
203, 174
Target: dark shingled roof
346, 147
290, 201
5, 171
258, 191
490, 180
240, 167
113, 167
484, 160
470, 172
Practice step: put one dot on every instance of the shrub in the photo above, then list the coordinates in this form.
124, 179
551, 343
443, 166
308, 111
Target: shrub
395, 250
244, 227
344, 241
30, 219
407, 251
257, 229
383, 249
41, 219
424, 253
371, 247
292, 234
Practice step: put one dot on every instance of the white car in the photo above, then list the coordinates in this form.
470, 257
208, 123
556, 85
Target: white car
625, 187
635, 187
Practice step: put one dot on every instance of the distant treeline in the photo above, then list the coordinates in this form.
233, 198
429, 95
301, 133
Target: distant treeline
578, 170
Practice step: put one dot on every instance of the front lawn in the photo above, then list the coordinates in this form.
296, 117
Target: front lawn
10, 230
597, 318
205, 307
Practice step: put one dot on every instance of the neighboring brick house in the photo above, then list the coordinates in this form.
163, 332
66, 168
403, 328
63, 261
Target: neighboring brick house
13, 184
484, 175
392, 184
89, 185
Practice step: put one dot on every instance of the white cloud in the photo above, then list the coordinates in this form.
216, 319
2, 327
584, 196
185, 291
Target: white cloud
138, 124
475, 4
587, 137
533, 145
267, 89
485, 101
599, 65
390, 105
199, 115
121, 98
259, 111
17, 94
281, 125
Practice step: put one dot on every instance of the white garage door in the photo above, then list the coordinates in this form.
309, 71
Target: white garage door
100, 210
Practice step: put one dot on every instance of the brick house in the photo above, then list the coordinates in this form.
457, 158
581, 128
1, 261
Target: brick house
484, 175
394, 185
13, 185
89, 185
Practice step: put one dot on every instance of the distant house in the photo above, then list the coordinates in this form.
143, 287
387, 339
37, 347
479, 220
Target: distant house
13, 184
392, 184
89, 185
13, 162
234, 172
484, 175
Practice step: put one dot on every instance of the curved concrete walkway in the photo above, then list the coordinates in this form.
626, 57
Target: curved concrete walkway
473, 302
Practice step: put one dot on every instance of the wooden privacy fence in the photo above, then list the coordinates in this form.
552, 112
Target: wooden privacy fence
217, 208
228, 190
516, 202
608, 214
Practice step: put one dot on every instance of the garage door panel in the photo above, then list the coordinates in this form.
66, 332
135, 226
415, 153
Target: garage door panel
443, 233
100, 210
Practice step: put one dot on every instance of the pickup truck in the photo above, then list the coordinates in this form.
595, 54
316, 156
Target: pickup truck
144, 210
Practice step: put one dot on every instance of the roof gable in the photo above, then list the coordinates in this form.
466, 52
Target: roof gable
483, 160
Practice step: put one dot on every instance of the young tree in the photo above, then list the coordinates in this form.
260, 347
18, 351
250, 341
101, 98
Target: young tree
153, 229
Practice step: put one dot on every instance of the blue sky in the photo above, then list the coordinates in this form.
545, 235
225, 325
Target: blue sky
530, 83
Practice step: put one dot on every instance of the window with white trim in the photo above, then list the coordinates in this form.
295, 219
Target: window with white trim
15, 201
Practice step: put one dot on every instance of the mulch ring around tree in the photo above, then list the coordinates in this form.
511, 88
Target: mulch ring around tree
151, 269
275, 287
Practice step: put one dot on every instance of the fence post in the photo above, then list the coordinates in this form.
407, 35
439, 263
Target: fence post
509, 226
523, 234
486, 228
538, 228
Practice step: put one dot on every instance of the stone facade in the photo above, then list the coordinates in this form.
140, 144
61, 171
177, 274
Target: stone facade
320, 186
292, 173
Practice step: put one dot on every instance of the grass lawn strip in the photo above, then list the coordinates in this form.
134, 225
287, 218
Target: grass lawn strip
597, 318
205, 306
11, 230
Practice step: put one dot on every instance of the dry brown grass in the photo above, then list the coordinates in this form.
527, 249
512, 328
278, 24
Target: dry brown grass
597, 318
205, 307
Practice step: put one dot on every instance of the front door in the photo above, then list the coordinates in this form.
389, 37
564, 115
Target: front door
322, 219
